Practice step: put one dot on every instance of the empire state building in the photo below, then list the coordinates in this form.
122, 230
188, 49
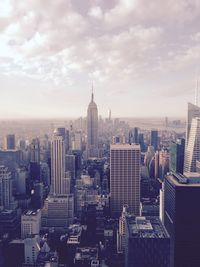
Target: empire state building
92, 129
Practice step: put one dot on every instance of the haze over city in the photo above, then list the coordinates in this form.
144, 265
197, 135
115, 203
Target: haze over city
142, 56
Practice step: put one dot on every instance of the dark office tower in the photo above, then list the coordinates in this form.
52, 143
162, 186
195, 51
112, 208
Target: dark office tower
182, 219
124, 178
176, 160
6, 184
35, 160
193, 111
67, 142
35, 150
92, 129
134, 136
154, 139
61, 132
147, 243
10, 142
141, 141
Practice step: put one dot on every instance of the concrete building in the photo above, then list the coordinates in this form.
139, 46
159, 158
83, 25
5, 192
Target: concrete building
6, 196
121, 231
58, 212
124, 178
30, 223
77, 141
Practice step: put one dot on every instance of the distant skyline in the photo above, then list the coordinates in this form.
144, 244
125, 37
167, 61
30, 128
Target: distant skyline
142, 56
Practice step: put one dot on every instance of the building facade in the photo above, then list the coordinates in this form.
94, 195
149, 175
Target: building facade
125, 178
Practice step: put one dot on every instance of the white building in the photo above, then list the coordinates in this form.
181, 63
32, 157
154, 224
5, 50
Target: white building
30, 223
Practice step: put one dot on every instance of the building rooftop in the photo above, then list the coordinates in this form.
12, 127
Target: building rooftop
86, 253
74, 234
124, 146
31, 212
145, 227
184, 180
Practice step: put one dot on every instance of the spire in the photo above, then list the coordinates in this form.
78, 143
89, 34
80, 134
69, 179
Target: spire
197, 93
92, 99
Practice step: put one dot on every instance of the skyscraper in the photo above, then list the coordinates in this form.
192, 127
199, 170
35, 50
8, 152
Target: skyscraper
154, 139
182, 219
10, 142
6, 196
92, 129
192, 153
125, 178
35, 159
35, 150
58, 210
176, 160
193, 111
58, 180
134, 136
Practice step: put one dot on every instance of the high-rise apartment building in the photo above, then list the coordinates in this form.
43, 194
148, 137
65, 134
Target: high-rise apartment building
125, 178
182, 218
192, 152
92, 129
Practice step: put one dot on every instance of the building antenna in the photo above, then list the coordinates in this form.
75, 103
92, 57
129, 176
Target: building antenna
197, 93
92, 91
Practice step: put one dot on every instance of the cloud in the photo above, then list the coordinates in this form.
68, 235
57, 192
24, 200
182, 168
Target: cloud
113, 42
96, 12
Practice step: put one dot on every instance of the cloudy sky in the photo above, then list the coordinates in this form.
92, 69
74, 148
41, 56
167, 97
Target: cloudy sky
142, 56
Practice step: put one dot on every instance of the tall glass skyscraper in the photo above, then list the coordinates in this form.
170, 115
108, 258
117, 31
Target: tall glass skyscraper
193, 111
92, 129
192, 153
